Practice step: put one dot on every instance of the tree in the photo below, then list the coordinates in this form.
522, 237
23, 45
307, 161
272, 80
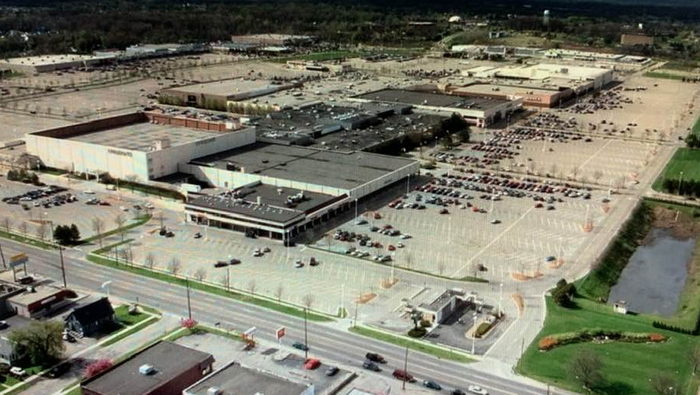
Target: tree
149, 260
66, 234
98, 227
307, 301
664, 384
119, 221
41, 341
251, 286
23, 227
563, 294
597, 175
585, 367
188, 323
279, 291
7, 223
41, 231
97, 367
441, 268
174, 265
200, 274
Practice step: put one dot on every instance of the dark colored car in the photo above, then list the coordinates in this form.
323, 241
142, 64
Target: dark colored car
234, 261
332, 371
403, 375
374, 357
432, 385
58, 370
221, 264
300, 346
369, 365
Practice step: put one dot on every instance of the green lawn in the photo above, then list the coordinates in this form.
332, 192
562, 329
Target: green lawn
131, 323
627, 367
685, 160
663, 74
255, 300
26, 240
412, 344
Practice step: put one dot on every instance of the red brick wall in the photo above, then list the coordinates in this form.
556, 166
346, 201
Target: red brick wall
186, 122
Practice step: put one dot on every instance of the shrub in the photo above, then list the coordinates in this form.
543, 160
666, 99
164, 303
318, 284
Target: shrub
188, 323
417, 332
547, 343
425, 324
656, 337
482, 329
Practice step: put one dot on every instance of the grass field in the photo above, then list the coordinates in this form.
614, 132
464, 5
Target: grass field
663, 74
685, 160
627, 367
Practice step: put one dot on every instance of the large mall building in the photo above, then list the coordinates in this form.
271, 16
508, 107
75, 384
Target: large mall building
268, 189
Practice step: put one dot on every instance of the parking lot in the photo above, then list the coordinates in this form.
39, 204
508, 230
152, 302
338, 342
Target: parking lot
36, 217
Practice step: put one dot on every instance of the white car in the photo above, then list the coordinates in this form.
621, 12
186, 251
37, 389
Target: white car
475, 389
405, 236
17, 371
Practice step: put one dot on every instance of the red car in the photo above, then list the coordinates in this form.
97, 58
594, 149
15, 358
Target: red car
377, 216
311, 364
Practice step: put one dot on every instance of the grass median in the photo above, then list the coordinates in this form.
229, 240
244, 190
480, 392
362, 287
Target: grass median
131, 323
138, 222
412, 344
26, 240
254, 300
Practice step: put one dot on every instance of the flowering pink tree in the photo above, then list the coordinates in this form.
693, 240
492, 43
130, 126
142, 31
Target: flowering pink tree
97, 367
188, 323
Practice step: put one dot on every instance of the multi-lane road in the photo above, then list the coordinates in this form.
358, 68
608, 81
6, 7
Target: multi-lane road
331, 342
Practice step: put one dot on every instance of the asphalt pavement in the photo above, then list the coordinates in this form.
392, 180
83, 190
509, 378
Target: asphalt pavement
326, 341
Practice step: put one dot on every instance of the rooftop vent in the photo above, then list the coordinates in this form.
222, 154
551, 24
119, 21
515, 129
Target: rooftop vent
146, 369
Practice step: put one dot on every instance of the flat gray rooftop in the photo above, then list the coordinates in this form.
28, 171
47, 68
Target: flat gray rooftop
168, 359
434, 99
227, 87
327, 168
273, 201
237, 379
142, 136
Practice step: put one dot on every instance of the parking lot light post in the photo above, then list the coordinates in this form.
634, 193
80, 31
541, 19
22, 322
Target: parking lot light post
500, 299
189, 306
474, 335
63, 267
680, 183
405, 369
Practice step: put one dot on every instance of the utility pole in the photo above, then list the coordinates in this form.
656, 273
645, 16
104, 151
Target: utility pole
189, 306
228, 278
354, 322
306, 336
2, 255
405, 369
63, 267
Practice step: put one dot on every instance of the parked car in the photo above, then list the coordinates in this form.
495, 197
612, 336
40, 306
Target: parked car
369, 365
475, 389
221, 264
298, 264
432, 385
374, 357
58, 370
313, 261
234, 261
403, 375
332, 371
18, 372
257, 253
311, 364
458, 391
300, 346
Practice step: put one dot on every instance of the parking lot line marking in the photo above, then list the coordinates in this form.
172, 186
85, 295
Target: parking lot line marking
495, 239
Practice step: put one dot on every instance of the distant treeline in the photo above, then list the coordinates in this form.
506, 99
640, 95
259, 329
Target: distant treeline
83, 26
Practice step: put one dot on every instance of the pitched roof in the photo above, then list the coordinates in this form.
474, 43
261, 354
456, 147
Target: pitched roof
93, 311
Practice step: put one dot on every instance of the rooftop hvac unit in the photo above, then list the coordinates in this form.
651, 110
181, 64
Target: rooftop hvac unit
214, 391
146, 369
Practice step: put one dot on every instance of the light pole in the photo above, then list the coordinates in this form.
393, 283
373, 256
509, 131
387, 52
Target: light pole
474, 335
306, 336
189, 306
63, 267
680, 183
2, 255
405, 369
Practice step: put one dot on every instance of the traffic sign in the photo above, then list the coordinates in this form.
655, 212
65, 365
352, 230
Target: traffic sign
279, 333
19, 259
